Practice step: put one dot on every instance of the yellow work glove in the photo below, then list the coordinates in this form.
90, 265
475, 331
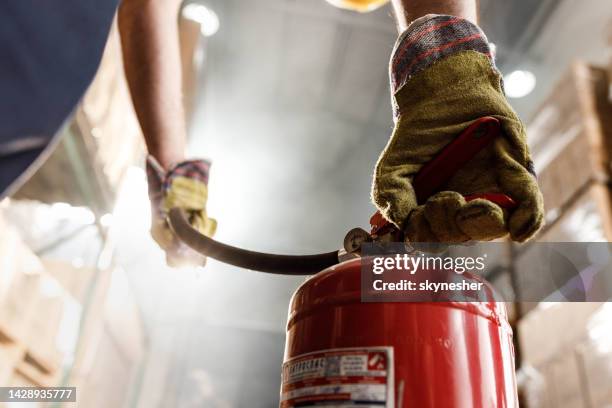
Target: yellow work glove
183, 186
443, 79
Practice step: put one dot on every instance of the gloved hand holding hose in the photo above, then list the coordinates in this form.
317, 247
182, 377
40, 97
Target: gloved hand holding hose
185, 186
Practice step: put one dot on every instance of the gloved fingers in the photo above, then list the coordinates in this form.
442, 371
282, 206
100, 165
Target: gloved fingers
178, 253
482, 220
519, 183
441, 211
417, 229
448, 218
207, 226
526, 220
187, 193
161, 234
514, 142
513, 175
392, 191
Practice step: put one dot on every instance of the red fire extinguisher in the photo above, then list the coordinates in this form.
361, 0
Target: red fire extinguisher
343, 352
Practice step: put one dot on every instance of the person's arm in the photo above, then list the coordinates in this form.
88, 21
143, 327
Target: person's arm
407, 11
151, 54
151, 57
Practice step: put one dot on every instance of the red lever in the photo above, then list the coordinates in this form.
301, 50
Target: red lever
378, 222
435, 174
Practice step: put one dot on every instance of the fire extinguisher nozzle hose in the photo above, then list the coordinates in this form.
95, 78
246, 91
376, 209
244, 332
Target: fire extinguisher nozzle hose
258, 261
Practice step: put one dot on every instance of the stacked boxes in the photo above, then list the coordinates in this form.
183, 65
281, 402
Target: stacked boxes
571, 141
570, 138
45, 337
569, 348
25, 307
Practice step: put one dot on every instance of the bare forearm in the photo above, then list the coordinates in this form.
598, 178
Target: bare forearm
407, 11
149, 38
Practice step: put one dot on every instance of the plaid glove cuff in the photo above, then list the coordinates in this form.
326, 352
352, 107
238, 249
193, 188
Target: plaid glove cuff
160, 181
428, 40
192, 169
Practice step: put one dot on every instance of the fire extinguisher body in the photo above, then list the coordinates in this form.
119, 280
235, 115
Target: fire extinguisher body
345, 352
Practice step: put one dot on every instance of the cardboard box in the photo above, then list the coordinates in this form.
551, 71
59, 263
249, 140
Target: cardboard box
42, 341
28, 373
19, 282
566, 375
571, 137
587, 218
553, 329
569, 346
597, 366
20, 380
18, 306
10, 355
74, 280
595, 357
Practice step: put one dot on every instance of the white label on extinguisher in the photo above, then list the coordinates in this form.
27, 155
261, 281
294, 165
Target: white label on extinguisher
342, 378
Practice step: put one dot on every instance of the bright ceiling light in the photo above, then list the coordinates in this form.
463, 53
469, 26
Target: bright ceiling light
519, 84
208, 20
362, 6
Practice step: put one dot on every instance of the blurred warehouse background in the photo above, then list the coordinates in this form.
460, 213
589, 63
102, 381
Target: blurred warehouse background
290, 100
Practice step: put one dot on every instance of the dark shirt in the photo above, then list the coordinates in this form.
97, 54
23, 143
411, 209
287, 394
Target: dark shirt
49, 53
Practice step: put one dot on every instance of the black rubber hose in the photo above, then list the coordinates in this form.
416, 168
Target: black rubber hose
257, 261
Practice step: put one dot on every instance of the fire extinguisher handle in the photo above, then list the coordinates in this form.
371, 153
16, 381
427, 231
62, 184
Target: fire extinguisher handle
258, 261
